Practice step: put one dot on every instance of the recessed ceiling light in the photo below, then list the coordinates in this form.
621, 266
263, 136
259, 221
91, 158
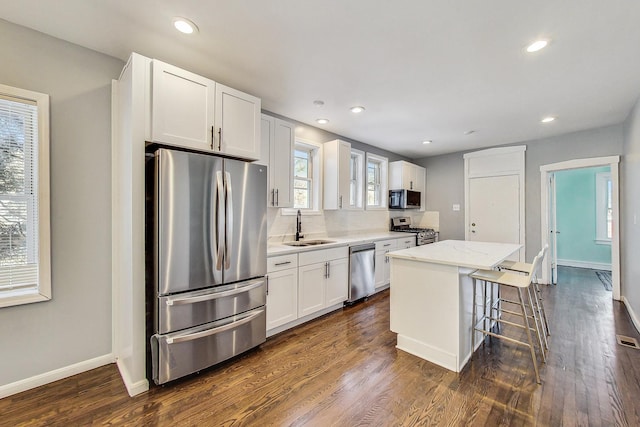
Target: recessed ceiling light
537, 45
322, 121
184, 25
548, 119
357, 109
426, 141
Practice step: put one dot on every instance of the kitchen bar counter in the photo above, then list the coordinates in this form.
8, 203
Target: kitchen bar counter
431, 297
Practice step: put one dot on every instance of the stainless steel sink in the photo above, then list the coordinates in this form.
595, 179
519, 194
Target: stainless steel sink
309, 242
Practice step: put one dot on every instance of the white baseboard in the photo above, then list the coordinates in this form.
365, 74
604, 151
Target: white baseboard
585, 264
133, 388
632, 314
55, 375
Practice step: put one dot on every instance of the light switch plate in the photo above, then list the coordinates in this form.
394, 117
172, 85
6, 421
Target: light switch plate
456, 207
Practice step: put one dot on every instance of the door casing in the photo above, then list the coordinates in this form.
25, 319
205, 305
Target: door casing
545, 171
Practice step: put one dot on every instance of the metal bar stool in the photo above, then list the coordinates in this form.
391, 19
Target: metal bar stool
520, 283
525, 268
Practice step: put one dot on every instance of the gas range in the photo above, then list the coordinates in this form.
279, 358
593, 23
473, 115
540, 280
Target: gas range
423, 235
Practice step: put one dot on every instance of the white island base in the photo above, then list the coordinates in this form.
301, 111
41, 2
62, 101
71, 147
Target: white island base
431, 297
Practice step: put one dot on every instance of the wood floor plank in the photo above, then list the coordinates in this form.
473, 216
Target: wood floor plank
343, 370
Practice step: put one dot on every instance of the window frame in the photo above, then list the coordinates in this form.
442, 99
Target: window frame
604, 189
316, 178
42, 291
384, 181
357, 158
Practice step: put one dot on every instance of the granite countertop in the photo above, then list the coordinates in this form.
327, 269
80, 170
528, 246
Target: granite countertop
461, 253
275, 248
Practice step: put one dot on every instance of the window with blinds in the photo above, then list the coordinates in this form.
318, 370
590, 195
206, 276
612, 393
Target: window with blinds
20, 194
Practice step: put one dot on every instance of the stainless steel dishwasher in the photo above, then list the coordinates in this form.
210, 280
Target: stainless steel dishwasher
361, 271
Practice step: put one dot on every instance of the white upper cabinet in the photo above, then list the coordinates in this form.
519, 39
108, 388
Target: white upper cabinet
237, 123
182, 105
337, 168
278, 139
407, 176
192, 111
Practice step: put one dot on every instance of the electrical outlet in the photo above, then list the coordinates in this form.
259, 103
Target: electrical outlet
456, 207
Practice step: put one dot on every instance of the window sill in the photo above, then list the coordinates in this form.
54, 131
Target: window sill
603, 242
13, 298
293, 211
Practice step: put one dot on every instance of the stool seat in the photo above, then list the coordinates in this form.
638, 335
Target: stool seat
521, 267
502, 277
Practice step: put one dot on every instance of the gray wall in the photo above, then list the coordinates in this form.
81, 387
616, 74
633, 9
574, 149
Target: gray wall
445, 177
315, 134
76, 324
630, 212
445, 187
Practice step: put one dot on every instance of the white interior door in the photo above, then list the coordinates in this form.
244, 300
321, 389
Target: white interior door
553, 233
494, 209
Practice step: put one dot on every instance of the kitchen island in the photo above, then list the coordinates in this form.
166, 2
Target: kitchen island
431, 297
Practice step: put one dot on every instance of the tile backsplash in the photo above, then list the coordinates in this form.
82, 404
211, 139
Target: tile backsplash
343, 222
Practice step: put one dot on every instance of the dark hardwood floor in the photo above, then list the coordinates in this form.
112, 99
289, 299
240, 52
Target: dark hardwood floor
344, 370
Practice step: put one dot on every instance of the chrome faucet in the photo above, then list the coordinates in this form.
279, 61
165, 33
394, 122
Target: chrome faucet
299, 226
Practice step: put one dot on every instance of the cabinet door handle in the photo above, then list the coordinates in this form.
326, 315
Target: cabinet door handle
220, 139
213, 138
387, 245
273, 197
277, 198
326, 270
340, 202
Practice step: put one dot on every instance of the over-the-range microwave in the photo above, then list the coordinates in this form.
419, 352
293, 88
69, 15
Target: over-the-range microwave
404, 199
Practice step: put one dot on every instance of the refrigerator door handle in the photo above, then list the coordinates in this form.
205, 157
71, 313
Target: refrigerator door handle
229, 220
220, 208
192, 300
206, 333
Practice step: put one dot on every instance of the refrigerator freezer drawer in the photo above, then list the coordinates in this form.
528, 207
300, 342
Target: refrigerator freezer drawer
185, 352
188, 309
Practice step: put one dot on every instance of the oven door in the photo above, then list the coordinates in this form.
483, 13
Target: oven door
412, 199
397, 199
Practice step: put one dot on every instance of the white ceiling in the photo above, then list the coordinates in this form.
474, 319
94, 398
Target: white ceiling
424, 69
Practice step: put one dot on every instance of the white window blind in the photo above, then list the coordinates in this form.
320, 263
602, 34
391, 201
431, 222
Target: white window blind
18, 194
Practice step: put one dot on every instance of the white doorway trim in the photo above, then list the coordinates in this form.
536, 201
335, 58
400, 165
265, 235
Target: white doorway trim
613, 163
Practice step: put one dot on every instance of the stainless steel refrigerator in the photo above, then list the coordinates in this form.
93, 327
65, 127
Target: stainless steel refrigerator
209, 262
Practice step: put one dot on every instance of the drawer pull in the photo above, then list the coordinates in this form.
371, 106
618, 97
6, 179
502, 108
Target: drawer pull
215, 295
282, 263
213, 331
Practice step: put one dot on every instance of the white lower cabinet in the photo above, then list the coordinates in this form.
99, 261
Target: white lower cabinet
282, 292
323, 279
311, 284
337, 284
282, 298
304, 284
406, 242
383, 266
